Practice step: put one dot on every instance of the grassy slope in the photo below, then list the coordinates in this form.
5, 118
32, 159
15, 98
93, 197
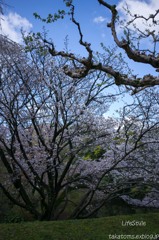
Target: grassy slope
92, 229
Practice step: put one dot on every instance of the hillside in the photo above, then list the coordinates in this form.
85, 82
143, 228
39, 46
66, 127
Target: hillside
89, 229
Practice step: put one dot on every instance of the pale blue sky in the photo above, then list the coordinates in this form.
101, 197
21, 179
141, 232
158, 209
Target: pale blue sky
94, 31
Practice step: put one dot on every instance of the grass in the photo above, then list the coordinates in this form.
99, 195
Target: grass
88, 229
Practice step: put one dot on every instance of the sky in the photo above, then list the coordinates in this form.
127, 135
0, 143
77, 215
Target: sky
92, 16
18, 14
22, 12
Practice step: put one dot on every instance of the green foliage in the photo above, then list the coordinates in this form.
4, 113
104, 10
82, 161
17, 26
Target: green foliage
42, 51
13, 219
32, 40
119, 140
103, 83
107, 179
51, 17
68, 2
88, 229
139, 192
94, 154
131, 133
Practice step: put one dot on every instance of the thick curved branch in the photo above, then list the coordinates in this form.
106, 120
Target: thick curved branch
124, 44
85, 65
85, 44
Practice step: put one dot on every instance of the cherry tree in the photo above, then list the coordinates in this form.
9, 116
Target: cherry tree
46, 120
50, 120
130, 152
129, 167
145, 161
